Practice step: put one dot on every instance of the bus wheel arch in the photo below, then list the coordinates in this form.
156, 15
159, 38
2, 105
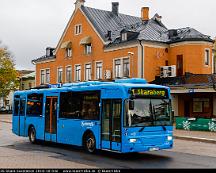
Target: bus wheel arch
32, 134
89, 141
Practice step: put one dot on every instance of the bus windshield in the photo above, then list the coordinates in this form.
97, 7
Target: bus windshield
148, 112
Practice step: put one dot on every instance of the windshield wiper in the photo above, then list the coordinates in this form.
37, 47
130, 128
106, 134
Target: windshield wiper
164, 128
141, 129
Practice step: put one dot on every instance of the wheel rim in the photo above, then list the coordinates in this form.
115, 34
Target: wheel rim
90, 144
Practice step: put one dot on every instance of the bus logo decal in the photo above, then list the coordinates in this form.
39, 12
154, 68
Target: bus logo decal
87, 124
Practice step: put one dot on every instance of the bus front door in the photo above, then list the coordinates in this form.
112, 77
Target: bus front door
111, 124
51, 118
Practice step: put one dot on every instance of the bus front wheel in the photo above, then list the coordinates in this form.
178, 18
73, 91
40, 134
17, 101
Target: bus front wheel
90, 143
32, 135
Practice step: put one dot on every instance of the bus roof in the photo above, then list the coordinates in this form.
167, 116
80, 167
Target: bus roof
93, 85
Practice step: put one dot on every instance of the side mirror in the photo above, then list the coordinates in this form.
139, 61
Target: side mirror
131, 105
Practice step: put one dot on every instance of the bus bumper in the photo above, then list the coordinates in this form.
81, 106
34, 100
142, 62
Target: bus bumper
130, 148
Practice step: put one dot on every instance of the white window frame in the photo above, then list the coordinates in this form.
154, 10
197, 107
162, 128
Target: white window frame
75, 72
121, 66
119, 69
66, 74
124, 36
42, 82
58, 75
47, 81
88, 73
68, 52
96, 76
88, 49
207, 58
78, 29
128, 67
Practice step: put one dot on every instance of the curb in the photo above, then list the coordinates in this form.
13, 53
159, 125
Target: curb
196, 139
6, 121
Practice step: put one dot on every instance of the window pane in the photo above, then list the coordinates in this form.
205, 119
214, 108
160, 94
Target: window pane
68, 74
16, 107
22, 107
35, 105
99, 70
117, 68
60, 72
197, 107
42, 76
78, 73
88, 72
68, 52
126, 67
88, 49
206, 57
116, 135
80, 105
47, 76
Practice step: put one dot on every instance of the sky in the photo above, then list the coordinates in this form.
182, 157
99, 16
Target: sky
27, 27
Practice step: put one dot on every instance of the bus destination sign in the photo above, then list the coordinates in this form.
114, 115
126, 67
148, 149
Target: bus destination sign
150, 92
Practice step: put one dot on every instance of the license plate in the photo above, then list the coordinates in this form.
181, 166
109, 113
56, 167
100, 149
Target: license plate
153, 149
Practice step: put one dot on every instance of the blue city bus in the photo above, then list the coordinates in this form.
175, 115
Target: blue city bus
126, 115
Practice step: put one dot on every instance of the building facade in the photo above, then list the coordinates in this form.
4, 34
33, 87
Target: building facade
106, 45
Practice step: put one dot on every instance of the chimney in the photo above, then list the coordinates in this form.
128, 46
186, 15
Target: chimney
79, 3
115, 8
145, 13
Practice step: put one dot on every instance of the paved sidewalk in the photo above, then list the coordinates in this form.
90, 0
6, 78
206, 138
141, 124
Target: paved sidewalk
200, 136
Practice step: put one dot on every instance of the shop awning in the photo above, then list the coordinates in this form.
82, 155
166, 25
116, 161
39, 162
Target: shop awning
66, 44
86, 40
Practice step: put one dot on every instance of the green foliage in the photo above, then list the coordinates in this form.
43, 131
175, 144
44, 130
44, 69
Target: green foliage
8, 73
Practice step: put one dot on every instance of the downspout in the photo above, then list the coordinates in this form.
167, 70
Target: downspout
142, 64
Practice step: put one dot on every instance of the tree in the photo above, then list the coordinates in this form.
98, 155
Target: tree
8, 73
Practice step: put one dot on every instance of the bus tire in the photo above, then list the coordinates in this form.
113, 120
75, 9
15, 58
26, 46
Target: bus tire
32, 135
89, 142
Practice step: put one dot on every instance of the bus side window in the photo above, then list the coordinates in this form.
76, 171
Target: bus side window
79, 105
90, 105
16, 107
34, 104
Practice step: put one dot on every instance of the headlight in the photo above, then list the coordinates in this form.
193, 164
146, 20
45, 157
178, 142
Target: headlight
132, 140
169, 138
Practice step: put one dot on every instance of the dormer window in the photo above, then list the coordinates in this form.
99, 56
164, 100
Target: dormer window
88, 49
68, 52
78, 29
87, 43
124, 36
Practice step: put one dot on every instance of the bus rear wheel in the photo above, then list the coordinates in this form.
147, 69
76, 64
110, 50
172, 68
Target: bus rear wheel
90, 143
32, 135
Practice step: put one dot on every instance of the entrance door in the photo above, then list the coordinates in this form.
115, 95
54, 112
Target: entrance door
111, 124
179, 65
187, 108
51, 118
19, 115
22, 115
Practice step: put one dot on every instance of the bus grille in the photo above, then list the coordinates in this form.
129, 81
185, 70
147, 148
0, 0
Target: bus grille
153, 140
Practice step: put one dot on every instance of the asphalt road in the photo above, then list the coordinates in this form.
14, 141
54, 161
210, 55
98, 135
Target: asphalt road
17, 152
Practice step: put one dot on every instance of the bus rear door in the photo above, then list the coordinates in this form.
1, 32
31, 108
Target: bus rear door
51, 111
111, 124
19, 115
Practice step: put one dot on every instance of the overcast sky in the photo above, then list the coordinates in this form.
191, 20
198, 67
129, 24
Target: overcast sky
27, 27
